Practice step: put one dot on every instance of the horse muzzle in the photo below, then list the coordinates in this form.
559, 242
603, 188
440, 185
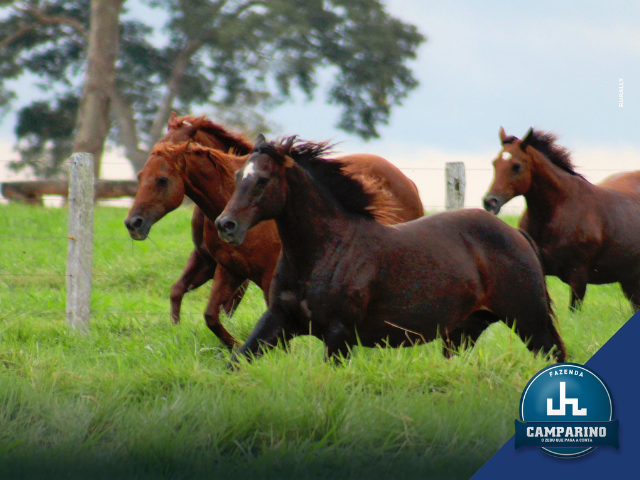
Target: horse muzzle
138, 227
492, 204
230, 231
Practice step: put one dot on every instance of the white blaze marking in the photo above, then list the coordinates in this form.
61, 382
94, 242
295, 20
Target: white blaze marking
248, 170
506, 156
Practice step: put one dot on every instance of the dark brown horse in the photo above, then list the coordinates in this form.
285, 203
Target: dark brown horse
347, 279
206, 176
586, 233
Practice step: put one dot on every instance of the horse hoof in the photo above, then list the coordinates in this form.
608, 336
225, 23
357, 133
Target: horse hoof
233, 365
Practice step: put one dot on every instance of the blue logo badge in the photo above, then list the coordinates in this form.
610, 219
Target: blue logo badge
567, 410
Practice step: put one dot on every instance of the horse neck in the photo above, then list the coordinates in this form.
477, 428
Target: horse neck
205, 186
550, 188
310, 222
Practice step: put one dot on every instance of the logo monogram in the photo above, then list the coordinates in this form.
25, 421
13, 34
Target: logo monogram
582, 412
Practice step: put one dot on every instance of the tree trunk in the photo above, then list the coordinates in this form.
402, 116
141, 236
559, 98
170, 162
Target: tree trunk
102, 52
128, 131
173, 88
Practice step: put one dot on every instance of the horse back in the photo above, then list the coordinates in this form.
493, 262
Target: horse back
461, 256
393, 181
625, 182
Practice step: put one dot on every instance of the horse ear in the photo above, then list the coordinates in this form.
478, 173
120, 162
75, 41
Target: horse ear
173, 121
526, 140
503, 135
286, 146
260, 140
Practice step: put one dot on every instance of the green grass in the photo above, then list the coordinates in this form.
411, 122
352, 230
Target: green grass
139, 398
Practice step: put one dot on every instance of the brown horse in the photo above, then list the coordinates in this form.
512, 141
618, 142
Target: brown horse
347, 279
586, 233
206, 176
201, 265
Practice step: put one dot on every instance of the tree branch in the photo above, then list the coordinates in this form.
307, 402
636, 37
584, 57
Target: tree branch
56, 20
16, 36
41, 20
173, 88
243, 8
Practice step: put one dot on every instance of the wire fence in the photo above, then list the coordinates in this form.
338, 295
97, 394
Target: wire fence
29, 274
431, 189
405, 167
21, 275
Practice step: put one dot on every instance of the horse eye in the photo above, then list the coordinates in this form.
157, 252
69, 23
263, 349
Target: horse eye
163, 182
516, 167
262, 181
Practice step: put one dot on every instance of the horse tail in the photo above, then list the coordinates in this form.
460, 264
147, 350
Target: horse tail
537, 250
552, 314
533, 245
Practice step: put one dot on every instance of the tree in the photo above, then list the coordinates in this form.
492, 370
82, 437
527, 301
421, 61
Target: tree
238, 57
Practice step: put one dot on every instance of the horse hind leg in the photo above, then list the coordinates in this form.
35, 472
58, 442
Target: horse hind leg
631, 290
538, 331
578, 284
468, 333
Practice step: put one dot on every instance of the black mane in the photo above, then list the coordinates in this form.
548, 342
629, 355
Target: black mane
354, 195
560, 156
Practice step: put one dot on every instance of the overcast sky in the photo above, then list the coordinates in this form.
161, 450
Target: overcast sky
555, 65
551, 64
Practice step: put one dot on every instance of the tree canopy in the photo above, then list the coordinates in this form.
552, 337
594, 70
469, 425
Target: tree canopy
238, 57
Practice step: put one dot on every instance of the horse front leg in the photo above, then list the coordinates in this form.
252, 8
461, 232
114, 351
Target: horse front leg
230, 306
338, 342
225, 286
271, 328
197, 271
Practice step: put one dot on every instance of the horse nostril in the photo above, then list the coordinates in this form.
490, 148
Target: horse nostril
229, 226
226, 226
134, 223
490, 203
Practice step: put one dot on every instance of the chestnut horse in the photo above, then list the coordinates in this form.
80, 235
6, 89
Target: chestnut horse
201, 265
347, 279
586, 233
206, 176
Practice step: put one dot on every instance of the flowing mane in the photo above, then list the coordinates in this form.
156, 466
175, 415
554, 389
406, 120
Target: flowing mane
177, 154
206, 127
545, 143
356, 193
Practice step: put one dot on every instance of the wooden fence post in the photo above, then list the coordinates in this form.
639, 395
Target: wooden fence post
456, 184
80, 233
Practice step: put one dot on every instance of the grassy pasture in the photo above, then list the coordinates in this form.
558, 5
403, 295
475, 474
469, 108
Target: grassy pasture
138, 398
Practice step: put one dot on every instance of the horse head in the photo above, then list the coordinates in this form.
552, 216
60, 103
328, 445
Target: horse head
260, 192
512, 171
161, 190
